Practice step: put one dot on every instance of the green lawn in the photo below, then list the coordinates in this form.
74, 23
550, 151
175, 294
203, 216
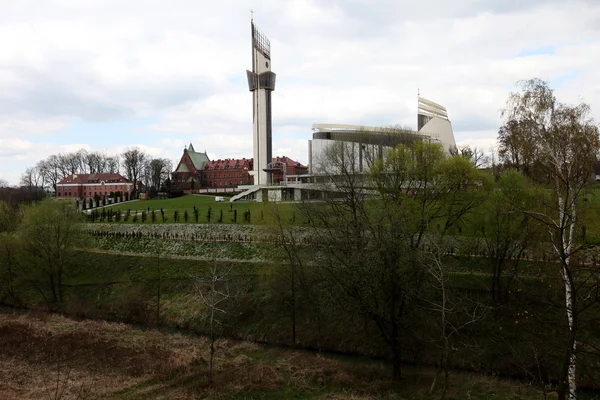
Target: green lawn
259, 212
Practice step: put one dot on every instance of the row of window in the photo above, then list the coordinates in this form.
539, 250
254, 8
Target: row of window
119, 187
225, 183
221, 175
68, 194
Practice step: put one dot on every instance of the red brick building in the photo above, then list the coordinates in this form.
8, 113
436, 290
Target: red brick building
195, 169
230, 173
227, 173
85, 186
291, 168
188, 174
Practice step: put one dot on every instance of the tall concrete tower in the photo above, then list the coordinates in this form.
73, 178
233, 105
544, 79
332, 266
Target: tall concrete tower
261, 82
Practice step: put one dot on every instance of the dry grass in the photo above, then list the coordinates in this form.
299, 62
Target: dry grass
43, 355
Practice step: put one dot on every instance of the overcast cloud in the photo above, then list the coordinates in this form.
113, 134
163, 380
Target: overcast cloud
104, 75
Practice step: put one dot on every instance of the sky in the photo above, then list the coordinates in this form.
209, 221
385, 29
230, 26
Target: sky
105, 75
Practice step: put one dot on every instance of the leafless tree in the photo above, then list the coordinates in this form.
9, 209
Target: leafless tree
455, 313
51, 170
134, 160
160, 170
295, 280
32, 179
476, 156
216, 291
58, 384
112, 164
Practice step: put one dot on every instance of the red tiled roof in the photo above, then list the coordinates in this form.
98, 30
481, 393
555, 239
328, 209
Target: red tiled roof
93, 178
228, 164
289, 162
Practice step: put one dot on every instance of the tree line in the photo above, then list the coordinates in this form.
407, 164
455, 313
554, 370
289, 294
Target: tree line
133, 163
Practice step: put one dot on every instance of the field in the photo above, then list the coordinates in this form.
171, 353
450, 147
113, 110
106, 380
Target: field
50, 356
259, 212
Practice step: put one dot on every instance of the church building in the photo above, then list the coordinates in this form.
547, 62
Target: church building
188, 174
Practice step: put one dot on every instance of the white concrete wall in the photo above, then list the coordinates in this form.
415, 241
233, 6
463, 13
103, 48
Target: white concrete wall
261, 64
356, 156
440, 129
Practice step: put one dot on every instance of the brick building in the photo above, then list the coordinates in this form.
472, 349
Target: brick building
227, 173
85, 186
291, 168
198, 170
188, 174
230, 173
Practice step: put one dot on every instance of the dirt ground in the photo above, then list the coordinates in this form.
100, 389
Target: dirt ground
45, 356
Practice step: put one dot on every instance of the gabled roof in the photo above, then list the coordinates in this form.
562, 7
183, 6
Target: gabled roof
289, 162
93, 178
182, 168
198, 159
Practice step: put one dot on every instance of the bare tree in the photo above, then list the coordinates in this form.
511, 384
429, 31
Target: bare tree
3, 183
134, 161
51, 170
473, 154
146, 173
112, 164
160, 170
69, 163
156, 277
455, 314
32, 179
59, 384
214, 296
293, 270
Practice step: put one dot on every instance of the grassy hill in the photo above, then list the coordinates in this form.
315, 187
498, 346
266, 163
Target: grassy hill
259, 212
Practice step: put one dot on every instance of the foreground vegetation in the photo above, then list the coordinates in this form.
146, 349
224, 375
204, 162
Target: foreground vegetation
115, 361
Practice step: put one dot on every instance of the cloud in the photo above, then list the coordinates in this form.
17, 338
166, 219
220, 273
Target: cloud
166, 74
